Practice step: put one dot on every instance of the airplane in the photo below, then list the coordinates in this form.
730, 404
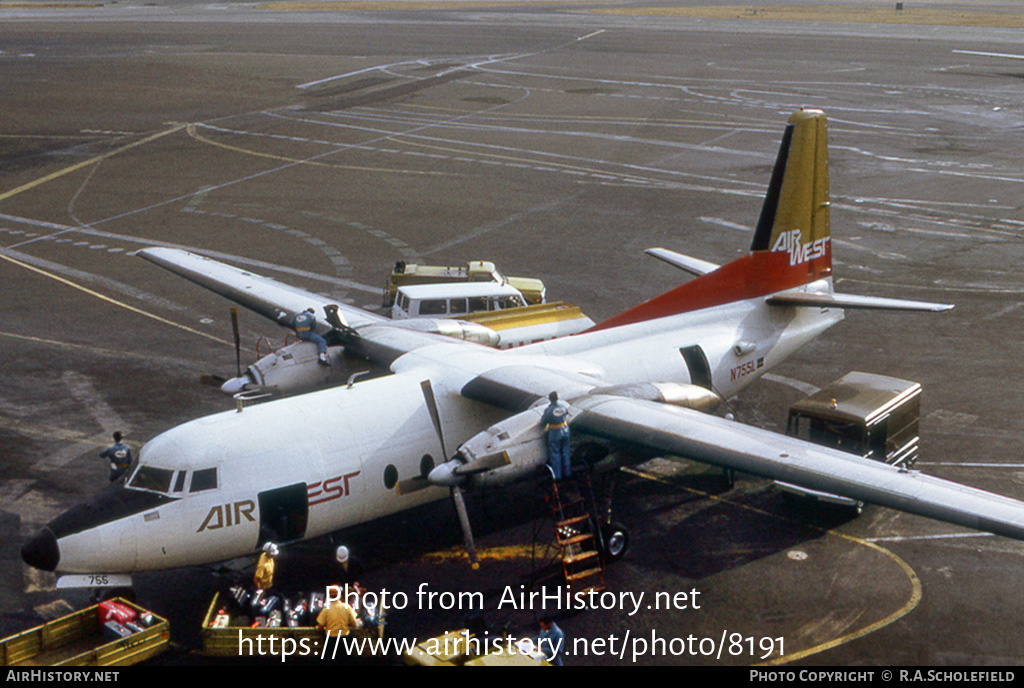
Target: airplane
450, 415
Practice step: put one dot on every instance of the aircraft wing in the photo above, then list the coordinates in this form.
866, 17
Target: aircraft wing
708, 439
263, 295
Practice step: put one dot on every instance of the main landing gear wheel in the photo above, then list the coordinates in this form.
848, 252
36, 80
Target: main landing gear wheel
616, 541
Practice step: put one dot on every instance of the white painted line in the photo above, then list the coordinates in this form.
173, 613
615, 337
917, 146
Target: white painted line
804, 387
310, 84
725, 223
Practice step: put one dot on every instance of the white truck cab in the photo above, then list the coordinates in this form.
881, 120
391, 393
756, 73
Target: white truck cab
454, 299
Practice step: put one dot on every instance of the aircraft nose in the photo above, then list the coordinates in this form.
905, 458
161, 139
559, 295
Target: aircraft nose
41, 551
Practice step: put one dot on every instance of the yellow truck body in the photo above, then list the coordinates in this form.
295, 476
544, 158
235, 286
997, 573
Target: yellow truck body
77, 640
226, 641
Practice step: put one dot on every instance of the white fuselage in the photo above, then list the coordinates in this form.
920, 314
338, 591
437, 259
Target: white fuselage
347, 448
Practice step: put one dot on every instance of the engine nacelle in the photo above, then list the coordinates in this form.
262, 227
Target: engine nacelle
292, 369
457, 329
674, 393
504, 453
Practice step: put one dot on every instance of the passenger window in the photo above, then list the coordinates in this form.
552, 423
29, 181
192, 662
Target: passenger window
434, 307
149, 478
477, 303
457, 306
205, 479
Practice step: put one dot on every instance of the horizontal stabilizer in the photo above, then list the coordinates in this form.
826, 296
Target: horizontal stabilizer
694, 266
829, 300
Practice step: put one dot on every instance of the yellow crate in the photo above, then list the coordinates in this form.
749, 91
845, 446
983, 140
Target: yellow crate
77, 640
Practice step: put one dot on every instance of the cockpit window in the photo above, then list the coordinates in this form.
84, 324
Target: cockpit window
150, 478
179, 482
205, 479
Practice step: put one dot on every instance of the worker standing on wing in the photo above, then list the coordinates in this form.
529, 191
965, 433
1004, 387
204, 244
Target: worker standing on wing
556, 420
304, 324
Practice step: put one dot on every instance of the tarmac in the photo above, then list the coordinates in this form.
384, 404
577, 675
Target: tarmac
318, 143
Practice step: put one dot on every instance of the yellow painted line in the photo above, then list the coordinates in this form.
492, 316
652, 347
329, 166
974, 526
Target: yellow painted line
115, 302
407, 5
908, 606
247, 151
91, 161
877, 14
489, 554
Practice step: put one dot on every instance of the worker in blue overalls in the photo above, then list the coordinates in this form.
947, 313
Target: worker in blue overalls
120, 457
556, 420
304, 324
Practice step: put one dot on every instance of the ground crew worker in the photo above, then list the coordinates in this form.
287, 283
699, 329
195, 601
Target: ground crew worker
551, 641
556, 420
351, 568
120, 456
264, 577
338, 620
304, 324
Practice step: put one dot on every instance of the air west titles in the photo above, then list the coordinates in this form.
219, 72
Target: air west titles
227, 515
224, 515
801, 253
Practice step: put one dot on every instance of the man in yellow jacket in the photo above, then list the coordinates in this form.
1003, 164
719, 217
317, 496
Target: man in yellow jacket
339, 619
264, 577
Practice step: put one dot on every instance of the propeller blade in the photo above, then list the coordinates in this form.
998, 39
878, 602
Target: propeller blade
428, 396
467, 532
410, 485
460, 503
238, 342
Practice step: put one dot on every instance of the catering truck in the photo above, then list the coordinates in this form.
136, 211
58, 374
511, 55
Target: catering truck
409, 274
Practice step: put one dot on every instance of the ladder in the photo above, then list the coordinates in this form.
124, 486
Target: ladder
572, 511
